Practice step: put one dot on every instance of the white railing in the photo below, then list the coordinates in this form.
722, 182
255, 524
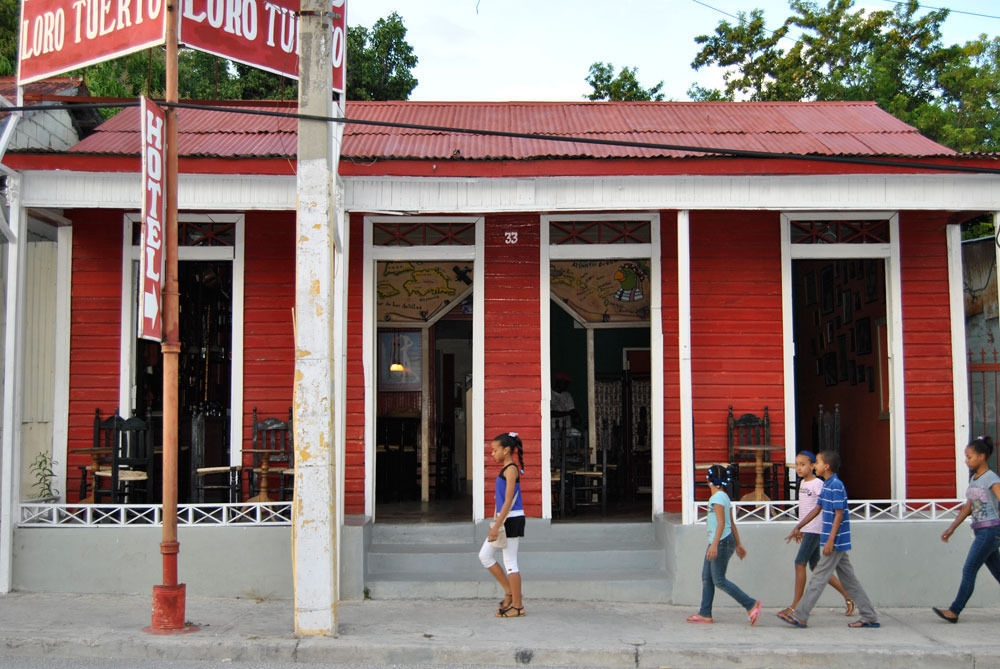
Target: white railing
860, 511
243, 514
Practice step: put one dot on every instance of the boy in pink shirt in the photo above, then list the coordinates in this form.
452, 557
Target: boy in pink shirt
808, 537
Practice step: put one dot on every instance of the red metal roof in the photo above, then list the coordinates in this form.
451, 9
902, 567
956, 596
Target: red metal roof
806, 128
50, 86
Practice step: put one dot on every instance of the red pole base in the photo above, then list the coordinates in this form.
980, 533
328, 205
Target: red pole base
168, 611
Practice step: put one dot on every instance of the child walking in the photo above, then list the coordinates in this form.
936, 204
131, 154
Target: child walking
509, 515
724, 540
982, 495
810, 488
835, 535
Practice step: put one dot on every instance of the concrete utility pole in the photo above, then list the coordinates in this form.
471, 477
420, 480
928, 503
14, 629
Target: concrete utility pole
314, 512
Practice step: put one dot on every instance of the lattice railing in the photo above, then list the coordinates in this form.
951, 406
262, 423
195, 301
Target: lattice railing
146, 515
860, 511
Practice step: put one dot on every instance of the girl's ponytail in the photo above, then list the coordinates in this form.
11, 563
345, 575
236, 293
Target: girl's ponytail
982, 444
512, 441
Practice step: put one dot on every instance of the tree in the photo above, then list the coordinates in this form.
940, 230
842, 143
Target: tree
894, 57
624, 87
9, 16
379, 61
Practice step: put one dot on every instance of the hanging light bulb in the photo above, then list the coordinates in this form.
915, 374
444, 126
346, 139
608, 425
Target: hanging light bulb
394, 364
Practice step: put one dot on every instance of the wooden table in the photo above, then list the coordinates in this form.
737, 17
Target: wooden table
757, 494
95, 464
265, 468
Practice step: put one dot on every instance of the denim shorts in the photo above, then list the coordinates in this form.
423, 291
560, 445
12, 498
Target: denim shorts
808, 550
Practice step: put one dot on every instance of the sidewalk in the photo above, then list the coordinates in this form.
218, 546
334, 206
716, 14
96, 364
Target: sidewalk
554, 633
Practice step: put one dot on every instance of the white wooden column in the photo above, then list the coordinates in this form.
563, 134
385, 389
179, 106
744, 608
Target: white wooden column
959, 359
591, 400
684, 356
10, 458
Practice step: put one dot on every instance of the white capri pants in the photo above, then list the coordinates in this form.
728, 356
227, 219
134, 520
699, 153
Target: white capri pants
487, 555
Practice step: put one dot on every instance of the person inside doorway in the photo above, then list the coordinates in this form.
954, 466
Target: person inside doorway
563, 409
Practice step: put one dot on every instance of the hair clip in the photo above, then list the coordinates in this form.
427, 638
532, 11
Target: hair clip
513, 434
981, 437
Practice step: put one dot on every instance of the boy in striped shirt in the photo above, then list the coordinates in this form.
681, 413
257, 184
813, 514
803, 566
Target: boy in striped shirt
835, 537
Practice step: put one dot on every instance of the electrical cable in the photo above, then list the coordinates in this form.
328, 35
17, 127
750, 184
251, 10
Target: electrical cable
739, 153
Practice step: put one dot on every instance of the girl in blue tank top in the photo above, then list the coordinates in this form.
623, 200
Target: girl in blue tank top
509, 513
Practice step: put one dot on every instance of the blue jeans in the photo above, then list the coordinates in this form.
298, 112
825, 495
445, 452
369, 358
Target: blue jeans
713, 575
982, 551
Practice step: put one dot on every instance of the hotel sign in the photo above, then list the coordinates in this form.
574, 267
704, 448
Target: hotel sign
151, 246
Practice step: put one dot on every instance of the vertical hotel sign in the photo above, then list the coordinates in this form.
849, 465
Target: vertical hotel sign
60, 35
151, 247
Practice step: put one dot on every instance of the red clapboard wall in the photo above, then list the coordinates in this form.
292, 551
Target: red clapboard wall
513, 349
736, 326
930, 427
268, 298
95, 329
671, 364
354, 457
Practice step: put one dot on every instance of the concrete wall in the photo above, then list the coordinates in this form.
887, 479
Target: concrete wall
44, 130
899, 564
214, 561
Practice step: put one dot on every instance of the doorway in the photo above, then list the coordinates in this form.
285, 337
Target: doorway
424, 357
842, 367
204, 369
599, 351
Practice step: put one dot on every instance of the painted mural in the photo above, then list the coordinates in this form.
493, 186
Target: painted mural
603, 291
414, 292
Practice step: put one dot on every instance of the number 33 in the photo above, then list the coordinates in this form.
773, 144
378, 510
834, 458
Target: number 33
510, 238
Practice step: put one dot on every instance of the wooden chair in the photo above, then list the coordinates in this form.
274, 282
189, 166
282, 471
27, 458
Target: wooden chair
701, 473
752, 430
275, 436
129, 477
103, 431
221, 477
590, 481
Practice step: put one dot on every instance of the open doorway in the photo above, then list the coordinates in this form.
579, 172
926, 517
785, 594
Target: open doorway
842, 367
204, 370
423, 468
599, 350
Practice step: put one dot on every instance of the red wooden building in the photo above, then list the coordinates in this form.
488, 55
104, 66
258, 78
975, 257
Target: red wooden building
757, 256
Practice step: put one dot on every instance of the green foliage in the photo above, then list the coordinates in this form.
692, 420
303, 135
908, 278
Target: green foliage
978, 227
624, 87
894, 57
379, 61
42, 470
9, 16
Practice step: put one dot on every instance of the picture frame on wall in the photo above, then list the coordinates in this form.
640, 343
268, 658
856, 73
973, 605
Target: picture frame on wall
830, 368
403, 347
829, 333
854, 373
863, 328
844, 371
826, 296
847, 308
810, 287
871, 280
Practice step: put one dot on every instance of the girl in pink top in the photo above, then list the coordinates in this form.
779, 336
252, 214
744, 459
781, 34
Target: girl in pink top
808, 537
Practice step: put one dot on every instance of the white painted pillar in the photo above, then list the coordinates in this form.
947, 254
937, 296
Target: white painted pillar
684, 342
591, 400
959, 359
10, 457
897, 388
317, 259
656, 440
788, 339
60, 403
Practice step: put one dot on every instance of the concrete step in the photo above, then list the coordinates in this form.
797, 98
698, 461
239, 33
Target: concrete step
537, 530
423, 533
639, 586
446, 558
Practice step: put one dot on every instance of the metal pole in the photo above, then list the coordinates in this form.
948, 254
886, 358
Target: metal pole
168, 598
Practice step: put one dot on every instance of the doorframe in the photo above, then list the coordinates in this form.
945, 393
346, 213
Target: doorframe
233, 254
890, 255
372, 255
650, 252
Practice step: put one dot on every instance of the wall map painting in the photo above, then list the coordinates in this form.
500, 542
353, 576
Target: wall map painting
413, 292
603, 291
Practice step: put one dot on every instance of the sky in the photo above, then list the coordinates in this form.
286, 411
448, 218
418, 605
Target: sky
541, 50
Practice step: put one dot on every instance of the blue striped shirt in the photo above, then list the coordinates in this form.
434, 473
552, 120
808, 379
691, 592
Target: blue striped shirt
833, 497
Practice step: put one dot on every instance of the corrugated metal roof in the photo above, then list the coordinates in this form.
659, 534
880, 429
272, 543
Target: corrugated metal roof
807, 128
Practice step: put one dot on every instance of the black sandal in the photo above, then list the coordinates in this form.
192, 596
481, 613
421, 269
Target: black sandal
506, 613
503, 604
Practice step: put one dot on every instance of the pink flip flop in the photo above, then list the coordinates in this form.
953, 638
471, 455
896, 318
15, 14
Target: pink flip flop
701, 620
754, 613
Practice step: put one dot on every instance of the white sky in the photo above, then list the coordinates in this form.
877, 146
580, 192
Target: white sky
542, 49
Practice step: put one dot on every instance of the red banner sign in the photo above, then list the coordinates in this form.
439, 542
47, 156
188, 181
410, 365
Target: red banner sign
151, 249
60, 35
260, 33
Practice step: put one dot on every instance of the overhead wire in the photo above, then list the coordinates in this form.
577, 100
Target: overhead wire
656, 146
